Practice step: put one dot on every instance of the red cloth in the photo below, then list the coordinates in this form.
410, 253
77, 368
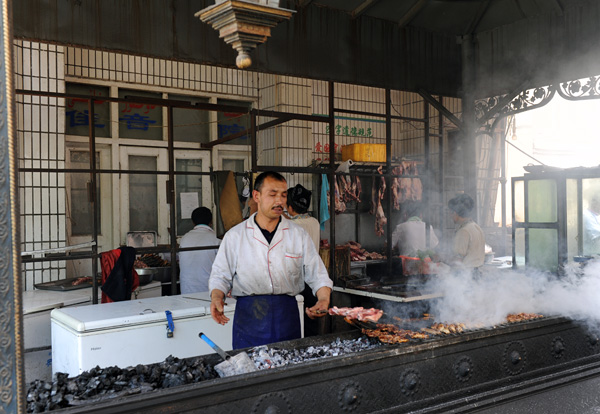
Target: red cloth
107, 263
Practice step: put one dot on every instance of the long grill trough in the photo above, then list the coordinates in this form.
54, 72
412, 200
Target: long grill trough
463, 372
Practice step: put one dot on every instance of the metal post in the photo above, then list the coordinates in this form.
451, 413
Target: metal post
171, 201
469, 124
388, 178
93, 197
332, 177
427, 176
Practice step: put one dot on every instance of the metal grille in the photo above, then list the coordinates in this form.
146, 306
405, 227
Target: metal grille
417, 131
40, 134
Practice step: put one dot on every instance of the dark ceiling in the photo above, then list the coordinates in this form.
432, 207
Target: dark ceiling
407, 45
454, 17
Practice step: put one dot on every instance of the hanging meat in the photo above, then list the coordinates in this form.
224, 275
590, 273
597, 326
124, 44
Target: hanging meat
416, 185
340, 206
352, 189
377, 194
406, 188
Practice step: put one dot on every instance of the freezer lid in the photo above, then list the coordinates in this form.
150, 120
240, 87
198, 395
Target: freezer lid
43, 300
205, 297
107, 316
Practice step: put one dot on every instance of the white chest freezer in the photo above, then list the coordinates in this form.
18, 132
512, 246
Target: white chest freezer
37, 305
133, 332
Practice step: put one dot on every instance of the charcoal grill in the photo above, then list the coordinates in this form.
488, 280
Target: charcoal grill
467, 372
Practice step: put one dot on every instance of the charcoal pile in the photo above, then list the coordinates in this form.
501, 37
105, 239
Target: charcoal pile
104, 384
265, 357
101, 384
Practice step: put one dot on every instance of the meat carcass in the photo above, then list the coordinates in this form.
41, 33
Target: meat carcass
340, 206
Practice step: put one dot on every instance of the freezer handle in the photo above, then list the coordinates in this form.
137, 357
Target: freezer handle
214, 346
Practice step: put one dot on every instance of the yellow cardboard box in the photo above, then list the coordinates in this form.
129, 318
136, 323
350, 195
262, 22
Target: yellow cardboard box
364, 152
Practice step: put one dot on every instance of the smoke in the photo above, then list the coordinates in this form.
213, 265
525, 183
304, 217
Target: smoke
486, 299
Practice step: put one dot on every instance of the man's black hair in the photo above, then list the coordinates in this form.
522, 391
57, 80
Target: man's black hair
258, 183
201, 215
462, 205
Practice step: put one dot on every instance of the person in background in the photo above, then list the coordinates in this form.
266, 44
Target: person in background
298, 201
468, 246
195, 266
591, 227
265, 261
410, 236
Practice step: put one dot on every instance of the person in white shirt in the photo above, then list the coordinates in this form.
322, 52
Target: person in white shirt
195, 265
410, 236
298, 201
265, 262
469, 241
591, 227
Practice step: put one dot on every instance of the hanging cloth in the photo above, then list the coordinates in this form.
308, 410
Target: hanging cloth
323, 204
119, 278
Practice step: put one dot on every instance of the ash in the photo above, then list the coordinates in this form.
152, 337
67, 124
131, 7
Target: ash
103, 384
265, 357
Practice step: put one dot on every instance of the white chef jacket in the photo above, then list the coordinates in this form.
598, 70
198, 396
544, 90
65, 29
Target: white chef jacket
469, 244
195, 266
311, 225
249, 265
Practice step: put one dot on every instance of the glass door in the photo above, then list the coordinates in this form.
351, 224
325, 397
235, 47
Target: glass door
80, 226
144, 196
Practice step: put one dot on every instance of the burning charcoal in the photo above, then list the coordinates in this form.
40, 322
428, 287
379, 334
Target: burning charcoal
173, 380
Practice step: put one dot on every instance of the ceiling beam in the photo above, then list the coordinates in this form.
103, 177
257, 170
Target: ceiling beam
560, 7
518, 4
483, 6
303, 3
362, 7
441, 108
412, 12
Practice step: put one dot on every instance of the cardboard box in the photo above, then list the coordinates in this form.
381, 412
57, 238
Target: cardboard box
364, 152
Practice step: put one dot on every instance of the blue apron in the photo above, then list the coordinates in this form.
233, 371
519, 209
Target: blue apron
264, 319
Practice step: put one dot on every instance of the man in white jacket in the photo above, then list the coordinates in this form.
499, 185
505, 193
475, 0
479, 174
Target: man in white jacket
265, 262
195, 265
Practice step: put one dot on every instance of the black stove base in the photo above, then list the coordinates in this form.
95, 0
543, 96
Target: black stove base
476, 371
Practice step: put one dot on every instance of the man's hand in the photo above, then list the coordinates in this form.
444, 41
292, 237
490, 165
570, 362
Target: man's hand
217, 304
322, 305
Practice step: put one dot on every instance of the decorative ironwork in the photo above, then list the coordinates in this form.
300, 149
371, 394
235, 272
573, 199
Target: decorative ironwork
11, 373
586, 88
515, 358
275, 402
463, 369
410, 381
524, 101
593, 342
349, 396
558, 347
